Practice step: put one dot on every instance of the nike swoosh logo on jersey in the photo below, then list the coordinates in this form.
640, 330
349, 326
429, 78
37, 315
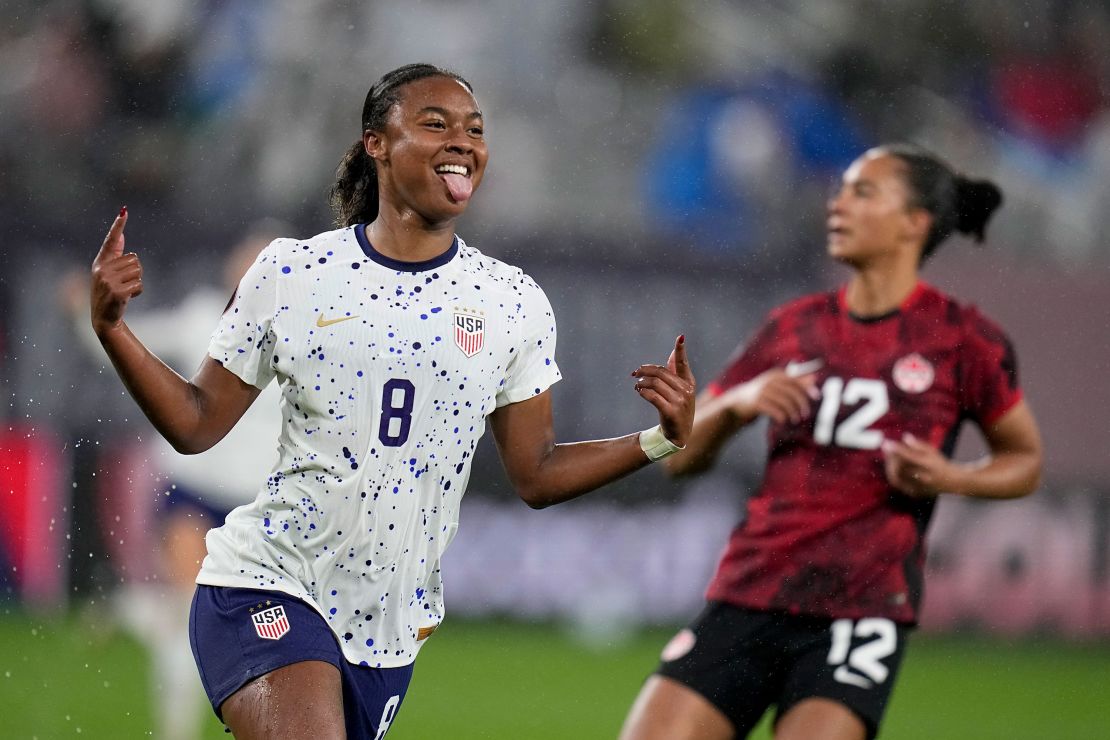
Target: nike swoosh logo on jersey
796, 369
322, 322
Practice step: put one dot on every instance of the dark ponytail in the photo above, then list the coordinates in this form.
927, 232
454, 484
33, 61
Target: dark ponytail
976, 200
956, 203
354, 195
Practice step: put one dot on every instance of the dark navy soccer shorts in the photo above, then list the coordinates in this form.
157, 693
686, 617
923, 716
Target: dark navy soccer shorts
745, 661
239, 634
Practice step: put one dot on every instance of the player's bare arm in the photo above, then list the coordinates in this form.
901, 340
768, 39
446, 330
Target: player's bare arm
192, 414
545, 473
773, 393
1011, 470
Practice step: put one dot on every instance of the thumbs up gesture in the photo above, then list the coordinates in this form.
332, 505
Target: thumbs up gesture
116, 278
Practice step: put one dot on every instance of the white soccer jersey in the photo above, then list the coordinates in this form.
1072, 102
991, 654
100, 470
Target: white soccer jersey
388, 370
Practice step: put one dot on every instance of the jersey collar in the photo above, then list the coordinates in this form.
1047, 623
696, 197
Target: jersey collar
912, 299
400, 266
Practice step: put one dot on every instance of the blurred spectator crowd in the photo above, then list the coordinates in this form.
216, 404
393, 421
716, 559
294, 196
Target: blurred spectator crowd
715, 125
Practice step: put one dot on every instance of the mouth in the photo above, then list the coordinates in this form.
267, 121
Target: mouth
457, 179
456, 169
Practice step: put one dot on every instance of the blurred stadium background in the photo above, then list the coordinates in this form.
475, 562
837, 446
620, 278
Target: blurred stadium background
659, 166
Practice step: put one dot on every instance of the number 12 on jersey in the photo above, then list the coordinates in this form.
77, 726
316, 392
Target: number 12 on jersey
855, 431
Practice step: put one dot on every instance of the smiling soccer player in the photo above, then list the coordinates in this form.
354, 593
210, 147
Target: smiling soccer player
393, 342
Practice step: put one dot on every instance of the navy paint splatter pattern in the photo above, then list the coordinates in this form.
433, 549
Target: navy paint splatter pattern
388, 371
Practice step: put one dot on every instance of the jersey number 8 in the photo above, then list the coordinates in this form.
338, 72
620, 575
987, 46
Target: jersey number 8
398, 397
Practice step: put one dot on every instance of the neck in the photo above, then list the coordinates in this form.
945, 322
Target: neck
874, 291
409, 239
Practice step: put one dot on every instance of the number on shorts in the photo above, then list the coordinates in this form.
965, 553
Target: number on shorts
388, 714
862, 666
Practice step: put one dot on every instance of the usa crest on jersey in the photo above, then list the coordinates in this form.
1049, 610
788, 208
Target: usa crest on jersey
470, 333
271, 624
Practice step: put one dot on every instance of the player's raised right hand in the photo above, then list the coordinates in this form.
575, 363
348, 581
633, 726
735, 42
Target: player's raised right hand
116, 278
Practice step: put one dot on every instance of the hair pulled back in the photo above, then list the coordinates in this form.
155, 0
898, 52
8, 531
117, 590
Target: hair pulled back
957, 203
354, 195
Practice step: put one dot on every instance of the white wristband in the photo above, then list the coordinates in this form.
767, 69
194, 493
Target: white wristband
655, 445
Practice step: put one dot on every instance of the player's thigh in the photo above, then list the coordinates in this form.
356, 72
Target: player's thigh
243, 638
667, 710
820, 719
301, 700
730, 659
264, 660
846, 664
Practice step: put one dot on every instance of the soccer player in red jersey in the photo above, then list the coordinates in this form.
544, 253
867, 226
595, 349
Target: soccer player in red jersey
865, 389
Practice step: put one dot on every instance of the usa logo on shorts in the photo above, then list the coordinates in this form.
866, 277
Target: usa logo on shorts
470, 333
271, 624
913, 374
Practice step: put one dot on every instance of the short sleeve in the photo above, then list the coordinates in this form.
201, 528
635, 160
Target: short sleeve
989, 379
532, 369
243, 341
749, 359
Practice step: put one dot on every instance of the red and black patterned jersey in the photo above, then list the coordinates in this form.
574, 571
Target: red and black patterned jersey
826, 534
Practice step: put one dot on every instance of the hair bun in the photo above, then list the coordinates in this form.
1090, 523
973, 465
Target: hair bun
976, 201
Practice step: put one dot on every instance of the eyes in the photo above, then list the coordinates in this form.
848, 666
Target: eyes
857, 189
439, 124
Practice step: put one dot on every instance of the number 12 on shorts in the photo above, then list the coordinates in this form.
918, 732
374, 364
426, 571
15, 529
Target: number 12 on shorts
862, 665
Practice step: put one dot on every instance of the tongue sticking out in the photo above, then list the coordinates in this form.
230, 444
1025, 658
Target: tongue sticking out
460, 186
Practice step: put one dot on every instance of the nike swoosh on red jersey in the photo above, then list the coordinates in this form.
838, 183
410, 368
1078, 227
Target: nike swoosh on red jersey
797, 369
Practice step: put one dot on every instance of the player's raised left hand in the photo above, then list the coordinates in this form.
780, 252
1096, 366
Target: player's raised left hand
917, 468
670, 389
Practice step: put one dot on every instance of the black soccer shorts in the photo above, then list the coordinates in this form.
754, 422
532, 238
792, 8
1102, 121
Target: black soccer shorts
744, 661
